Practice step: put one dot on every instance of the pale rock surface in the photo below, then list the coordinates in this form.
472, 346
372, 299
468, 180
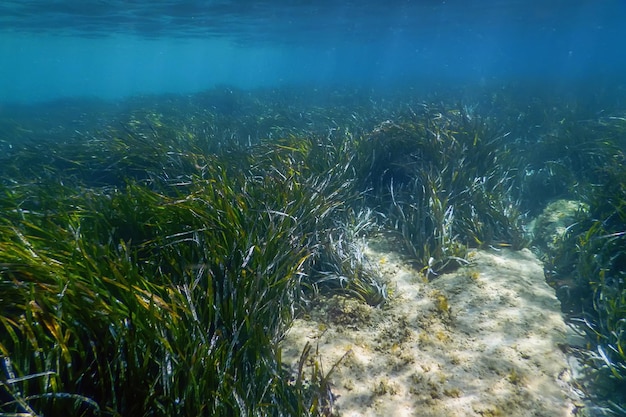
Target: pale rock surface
485, 340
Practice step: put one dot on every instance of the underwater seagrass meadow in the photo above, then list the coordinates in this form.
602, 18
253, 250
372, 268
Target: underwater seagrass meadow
154, 250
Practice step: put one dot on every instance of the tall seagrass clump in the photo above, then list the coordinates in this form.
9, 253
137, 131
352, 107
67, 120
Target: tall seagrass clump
161, 282
591, 254
446, 179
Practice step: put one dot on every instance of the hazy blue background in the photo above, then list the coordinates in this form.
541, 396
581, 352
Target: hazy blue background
112, 49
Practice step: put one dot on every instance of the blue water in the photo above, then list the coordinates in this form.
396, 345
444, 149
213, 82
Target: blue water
113, 49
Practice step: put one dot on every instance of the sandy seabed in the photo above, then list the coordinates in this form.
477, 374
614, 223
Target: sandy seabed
485, 340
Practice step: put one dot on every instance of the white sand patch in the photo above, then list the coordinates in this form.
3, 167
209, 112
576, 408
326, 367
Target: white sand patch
481, 341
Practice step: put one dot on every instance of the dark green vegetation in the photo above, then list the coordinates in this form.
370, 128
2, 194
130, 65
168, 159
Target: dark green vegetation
154, 253
590, 257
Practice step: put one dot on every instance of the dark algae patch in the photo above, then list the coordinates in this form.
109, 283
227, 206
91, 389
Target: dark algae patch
154, 253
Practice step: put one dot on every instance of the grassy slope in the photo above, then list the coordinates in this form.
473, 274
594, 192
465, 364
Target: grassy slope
152, 259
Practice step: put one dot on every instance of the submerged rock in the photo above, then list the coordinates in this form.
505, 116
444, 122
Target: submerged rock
550, 227
484, 340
